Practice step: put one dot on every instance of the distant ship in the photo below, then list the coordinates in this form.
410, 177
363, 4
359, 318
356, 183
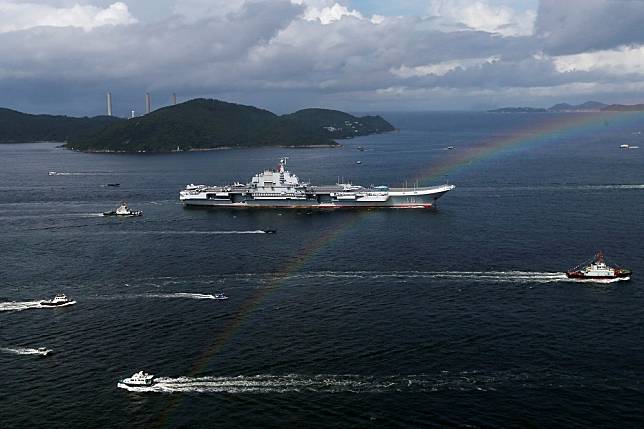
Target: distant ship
140, 379
598, 270
123, 210
60, 300
280, 189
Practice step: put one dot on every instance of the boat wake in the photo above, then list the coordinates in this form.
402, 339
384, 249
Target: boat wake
356, 384
25, 351
476, 276
168, 295
261, 384
19, 306
29, 305
181, 295
79, 173
257, 231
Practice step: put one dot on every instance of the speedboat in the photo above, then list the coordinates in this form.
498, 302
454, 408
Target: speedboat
220, 296
449, 147
52, 173
598, 270
59, 300
139, 379
123, 210
113, 185
43, 351
358, 162
270, 231
624, 146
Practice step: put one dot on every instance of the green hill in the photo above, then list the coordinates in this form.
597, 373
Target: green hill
339, 125
17, 127
205, 124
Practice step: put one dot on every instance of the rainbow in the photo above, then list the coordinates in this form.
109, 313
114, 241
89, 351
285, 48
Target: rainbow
560, 125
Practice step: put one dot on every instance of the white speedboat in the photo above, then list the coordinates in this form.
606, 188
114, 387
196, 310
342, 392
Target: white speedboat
52, 173
220, 296
139, 379
43, 351
60, 300
123, 210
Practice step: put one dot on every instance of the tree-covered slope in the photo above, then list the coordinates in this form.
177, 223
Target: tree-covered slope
17, 127
193, 125
338, 124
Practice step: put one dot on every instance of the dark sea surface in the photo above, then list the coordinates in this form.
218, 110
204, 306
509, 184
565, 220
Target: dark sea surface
453, 317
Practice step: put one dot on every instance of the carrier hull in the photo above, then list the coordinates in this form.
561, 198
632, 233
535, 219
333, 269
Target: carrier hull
281, 189
320, 202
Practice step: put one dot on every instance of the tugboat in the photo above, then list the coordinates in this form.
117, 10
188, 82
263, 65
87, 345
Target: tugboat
123, 210
59, 300
139, 379
598, 270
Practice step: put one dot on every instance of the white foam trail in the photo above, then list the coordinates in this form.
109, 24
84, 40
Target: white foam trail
19, 306
184, 295
330, 383
42, 351
265, 384
482, 276
87, 173
258, 231
29, 305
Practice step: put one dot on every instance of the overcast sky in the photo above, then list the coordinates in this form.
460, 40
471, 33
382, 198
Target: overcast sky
62, 56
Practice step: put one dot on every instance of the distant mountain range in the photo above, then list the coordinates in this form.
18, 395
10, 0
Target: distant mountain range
589, 106
198, 124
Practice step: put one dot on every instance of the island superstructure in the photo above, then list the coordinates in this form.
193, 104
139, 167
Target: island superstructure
279, 188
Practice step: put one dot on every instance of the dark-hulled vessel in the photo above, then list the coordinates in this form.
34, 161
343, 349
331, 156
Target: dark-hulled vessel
280, 189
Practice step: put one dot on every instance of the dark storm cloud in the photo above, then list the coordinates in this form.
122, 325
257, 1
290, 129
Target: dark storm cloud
573, 26
264, 52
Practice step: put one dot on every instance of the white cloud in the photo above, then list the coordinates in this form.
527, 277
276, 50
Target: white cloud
483, 16
329, 14
21, 16
442, 68
622, 61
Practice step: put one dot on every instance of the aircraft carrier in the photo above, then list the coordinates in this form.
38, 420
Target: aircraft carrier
279, 188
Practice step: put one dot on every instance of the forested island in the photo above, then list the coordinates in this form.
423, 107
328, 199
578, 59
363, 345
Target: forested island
198, 124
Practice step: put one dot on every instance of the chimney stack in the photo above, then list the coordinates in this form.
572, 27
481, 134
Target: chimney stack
109, 104
148, 103
174, 98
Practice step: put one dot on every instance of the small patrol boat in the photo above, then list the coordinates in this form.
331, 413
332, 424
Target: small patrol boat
139, 379
123, 210
598, 270
59, 300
